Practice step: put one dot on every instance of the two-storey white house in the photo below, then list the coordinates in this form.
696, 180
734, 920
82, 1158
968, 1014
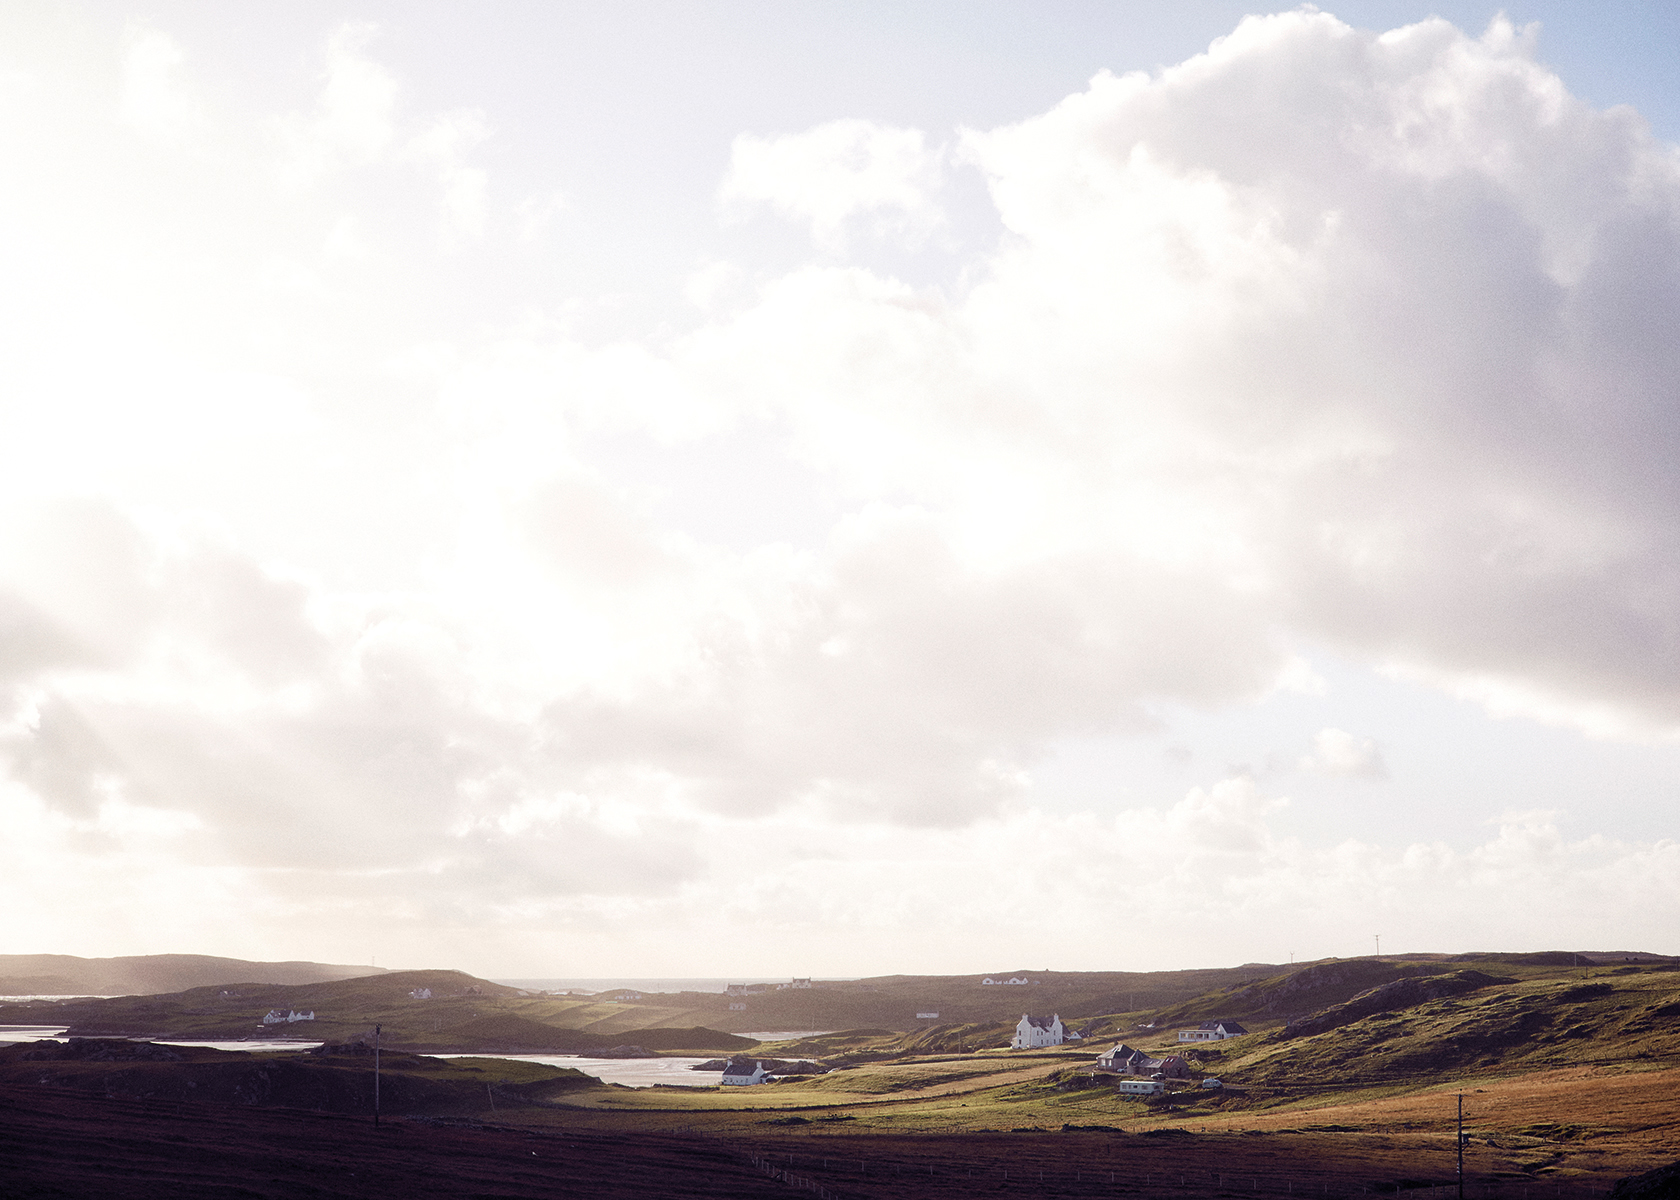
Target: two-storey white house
1033, 1032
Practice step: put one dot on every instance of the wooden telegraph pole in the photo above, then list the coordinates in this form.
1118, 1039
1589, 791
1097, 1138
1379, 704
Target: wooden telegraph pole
376, 1088
1461, 1146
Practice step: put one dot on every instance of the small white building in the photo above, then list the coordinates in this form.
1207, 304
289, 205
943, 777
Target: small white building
928, 1016
1033, 1032
1140, 1087
420, 994
744, 1072
1211, 1031
793, 983
737, 1006
276, 1017
1013, 981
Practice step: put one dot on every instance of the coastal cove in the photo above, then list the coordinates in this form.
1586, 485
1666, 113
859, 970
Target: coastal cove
626, 1072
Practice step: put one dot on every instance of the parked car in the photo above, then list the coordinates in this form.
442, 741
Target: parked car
1212, 1084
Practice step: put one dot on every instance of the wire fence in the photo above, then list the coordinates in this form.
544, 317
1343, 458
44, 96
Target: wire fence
860, 1179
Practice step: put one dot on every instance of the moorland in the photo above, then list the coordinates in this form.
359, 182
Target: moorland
1348, 1081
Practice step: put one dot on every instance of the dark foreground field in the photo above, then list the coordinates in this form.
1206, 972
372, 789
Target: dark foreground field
61, 1144
55, 1143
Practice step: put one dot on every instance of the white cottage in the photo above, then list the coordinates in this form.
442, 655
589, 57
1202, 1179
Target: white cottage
276, 1017
743, 1072
1211, 1031
1034, 1032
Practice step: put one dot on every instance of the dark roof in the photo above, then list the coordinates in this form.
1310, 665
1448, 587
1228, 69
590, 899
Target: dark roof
1233, 1027
1039, 1022
740, 1066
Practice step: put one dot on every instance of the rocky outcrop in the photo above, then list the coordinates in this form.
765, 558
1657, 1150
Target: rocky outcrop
625, 1052
98, 1050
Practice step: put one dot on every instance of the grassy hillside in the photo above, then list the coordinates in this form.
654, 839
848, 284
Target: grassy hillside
330, 1080
1630, 1015
152, 974
462, 1014
1568, 1073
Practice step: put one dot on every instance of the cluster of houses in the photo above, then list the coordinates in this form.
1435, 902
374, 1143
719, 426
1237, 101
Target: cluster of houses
1143, 1074
276, 1017
1140, 1074
1012, 981
737, 992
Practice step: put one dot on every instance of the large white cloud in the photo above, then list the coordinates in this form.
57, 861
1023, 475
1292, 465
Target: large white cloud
312, 587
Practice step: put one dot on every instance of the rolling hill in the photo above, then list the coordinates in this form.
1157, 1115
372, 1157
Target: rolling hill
152, 974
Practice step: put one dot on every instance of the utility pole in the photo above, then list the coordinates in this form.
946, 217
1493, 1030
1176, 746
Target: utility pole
1461, 1146
1378, 936
376, 1077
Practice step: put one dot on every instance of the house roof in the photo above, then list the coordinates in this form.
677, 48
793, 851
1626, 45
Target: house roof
1227, 1026
1040, 1022
740, 1066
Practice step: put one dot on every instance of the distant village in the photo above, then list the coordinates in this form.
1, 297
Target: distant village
1139, 1073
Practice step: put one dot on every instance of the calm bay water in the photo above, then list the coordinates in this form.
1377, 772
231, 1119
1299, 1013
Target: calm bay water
632, 1072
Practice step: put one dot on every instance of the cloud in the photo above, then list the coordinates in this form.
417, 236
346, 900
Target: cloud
153, 100
834, 174
444, 145
354, 120
1338, 753
319, 599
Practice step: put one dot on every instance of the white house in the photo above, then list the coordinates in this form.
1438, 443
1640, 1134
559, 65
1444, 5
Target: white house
1211, 1031
1013, 981
743, 1072
793, 983
420, 994
1034, 1032
276, 1017
737, 1006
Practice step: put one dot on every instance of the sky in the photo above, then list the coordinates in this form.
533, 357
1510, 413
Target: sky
838, 489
